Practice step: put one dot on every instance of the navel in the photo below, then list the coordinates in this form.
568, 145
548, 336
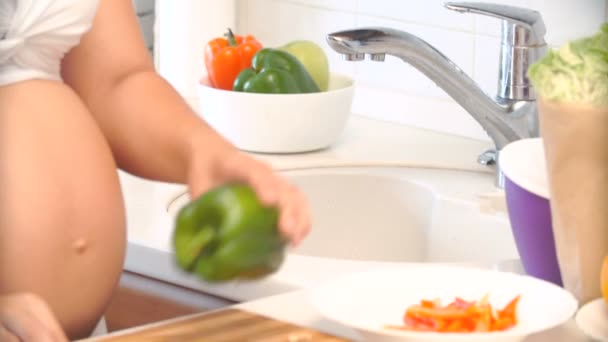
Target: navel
80, 245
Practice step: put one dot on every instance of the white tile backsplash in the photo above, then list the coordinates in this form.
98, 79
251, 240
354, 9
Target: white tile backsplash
428, 13
470, 40
564, 19
570, 19
340, 5
487, 25
277, 22
487, 53
259, 18
312, 23
394, 74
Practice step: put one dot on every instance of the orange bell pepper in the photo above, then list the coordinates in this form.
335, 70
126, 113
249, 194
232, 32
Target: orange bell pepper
226, 57
604, 279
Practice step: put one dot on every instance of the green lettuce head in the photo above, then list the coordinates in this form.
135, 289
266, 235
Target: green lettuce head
576, 73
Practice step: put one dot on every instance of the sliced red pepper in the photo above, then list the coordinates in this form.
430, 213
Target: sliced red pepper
459, 316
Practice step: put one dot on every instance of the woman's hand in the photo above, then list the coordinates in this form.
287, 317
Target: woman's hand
26, 317
211, 166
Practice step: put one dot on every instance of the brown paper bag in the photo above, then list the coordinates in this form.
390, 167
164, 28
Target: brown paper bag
575, 138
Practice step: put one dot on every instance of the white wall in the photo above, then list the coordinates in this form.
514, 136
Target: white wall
183, 27
393, 90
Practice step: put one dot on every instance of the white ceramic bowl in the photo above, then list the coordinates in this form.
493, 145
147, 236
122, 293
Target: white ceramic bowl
279, 123
371, 300
523, 162
592, 319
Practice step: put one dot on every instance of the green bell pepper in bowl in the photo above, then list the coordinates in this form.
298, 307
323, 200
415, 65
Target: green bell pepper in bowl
277, 72
227, 234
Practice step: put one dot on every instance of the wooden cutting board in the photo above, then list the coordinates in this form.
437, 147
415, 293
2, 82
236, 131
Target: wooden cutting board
226, 325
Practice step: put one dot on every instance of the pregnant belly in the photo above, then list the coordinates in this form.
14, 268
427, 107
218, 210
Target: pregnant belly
62, 220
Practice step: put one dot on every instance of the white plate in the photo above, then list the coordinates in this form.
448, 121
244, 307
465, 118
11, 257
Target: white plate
592, 319
370, 300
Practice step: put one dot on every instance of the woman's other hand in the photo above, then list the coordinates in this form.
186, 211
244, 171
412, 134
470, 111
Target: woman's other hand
26, 317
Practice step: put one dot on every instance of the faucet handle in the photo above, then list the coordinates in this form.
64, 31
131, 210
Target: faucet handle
523, 43
523, 18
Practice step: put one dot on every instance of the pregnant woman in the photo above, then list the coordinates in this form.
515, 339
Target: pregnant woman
79, 98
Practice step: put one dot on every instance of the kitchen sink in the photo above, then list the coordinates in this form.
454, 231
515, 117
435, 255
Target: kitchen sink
401, 214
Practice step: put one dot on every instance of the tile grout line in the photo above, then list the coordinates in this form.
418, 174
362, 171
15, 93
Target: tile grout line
357, 13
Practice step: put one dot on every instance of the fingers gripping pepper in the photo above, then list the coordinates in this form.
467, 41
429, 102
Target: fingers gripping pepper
275, 71
228, 234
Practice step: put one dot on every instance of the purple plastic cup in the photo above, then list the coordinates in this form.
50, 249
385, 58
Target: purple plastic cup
530, 217
529, 209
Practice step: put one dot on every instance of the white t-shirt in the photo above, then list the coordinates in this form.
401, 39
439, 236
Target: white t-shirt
36, 34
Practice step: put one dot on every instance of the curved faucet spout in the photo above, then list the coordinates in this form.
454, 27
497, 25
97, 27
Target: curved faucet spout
504, 120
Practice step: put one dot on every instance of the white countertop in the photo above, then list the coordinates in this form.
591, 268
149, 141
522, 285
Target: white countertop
364, 142
295, 307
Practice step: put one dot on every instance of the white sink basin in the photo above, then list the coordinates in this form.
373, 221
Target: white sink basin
395, 214
366, 216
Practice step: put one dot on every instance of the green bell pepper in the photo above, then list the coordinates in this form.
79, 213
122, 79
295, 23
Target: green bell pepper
275, 71
228, 234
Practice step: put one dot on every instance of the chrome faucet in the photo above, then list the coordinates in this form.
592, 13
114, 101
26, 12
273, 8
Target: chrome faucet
512, 113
